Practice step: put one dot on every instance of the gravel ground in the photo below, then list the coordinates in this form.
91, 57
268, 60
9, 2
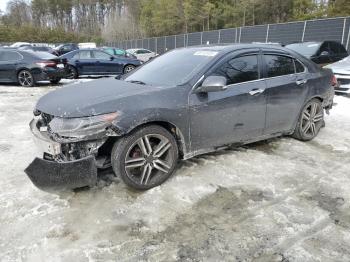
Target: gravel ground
278, 200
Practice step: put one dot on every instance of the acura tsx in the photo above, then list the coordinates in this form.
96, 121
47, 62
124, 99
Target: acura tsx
187, 102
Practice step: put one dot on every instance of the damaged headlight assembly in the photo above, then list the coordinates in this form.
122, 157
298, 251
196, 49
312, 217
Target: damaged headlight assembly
80, 128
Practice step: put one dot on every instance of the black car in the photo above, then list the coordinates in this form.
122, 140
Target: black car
40, 49
66, 48
27, 67
320, 52
184, 103
97, 62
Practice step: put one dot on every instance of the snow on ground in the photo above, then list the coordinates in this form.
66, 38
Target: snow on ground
280, 200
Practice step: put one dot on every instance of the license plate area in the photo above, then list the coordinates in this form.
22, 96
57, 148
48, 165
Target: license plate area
60, 65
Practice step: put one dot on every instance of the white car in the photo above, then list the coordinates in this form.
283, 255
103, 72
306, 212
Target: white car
86, 45
341, 70
142, 54
19, 44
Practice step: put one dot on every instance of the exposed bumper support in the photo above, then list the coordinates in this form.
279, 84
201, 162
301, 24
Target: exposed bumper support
51, 175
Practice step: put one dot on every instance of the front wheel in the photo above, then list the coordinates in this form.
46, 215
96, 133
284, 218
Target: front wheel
145, 158
25, 78
310, 121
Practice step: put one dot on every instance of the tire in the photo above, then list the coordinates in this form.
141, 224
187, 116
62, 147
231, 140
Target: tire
72, 73
311, 120
143, 165
25, 78
55, 81
128, 69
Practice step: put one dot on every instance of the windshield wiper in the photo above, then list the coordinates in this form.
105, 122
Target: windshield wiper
137, 82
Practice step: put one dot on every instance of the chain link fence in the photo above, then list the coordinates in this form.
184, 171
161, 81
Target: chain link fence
336, 29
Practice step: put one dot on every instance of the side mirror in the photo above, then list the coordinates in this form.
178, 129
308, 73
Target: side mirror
324, 53
213, 84
111, 58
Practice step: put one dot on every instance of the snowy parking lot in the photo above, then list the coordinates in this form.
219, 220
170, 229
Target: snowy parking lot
278, 200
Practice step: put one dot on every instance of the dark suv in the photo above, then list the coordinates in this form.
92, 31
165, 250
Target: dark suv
320, 52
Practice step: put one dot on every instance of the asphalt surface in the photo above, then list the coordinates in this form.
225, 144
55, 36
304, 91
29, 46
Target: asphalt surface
278, 200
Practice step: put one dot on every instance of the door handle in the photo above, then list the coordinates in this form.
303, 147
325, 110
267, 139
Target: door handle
301, 82
256, 91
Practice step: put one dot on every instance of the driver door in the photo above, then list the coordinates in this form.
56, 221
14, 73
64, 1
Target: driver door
232, 115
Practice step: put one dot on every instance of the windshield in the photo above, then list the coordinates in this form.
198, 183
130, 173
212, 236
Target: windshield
305, 49
173, 68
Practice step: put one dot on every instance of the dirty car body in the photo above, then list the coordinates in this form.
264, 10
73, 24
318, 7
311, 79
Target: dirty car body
216, 96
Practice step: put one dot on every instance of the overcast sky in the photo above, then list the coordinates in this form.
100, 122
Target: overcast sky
3, 5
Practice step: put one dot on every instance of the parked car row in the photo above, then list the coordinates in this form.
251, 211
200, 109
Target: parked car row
28, 65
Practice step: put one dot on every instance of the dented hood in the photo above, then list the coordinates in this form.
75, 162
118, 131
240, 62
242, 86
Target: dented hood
94, 98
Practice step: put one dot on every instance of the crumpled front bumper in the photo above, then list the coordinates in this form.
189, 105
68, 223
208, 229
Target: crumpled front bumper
51, 175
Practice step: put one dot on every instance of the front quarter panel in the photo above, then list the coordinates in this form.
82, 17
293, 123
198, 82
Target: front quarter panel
168, 104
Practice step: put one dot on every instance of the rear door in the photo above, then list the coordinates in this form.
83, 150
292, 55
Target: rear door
85, 63
235, 114
286, 80
8, 65
106, 63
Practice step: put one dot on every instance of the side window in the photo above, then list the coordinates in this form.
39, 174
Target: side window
240, 69
119, 52
84, 55
66, 48
278, 65
101, 55
10, 56
299, 67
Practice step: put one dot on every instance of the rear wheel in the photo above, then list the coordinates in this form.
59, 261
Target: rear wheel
72, 72
145, 158
128, 69
310, 121
55, 81
25, 78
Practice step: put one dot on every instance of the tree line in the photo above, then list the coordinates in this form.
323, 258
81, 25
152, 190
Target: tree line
110, 20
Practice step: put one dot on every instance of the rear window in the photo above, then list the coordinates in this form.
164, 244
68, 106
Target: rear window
43, 55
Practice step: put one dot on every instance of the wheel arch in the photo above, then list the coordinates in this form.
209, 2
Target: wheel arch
170, 127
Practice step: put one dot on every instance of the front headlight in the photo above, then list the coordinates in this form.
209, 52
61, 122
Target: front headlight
81, 127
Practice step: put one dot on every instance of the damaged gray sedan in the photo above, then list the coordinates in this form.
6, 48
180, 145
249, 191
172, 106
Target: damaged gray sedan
184, 103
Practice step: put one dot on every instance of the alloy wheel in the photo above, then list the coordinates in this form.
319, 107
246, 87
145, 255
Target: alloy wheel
149, 159
312, 119
25, 78
128, 69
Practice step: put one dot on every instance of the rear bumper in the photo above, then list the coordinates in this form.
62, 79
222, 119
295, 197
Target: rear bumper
50, 73
50, 175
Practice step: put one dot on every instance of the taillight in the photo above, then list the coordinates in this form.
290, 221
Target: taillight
43, 64
334, 81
